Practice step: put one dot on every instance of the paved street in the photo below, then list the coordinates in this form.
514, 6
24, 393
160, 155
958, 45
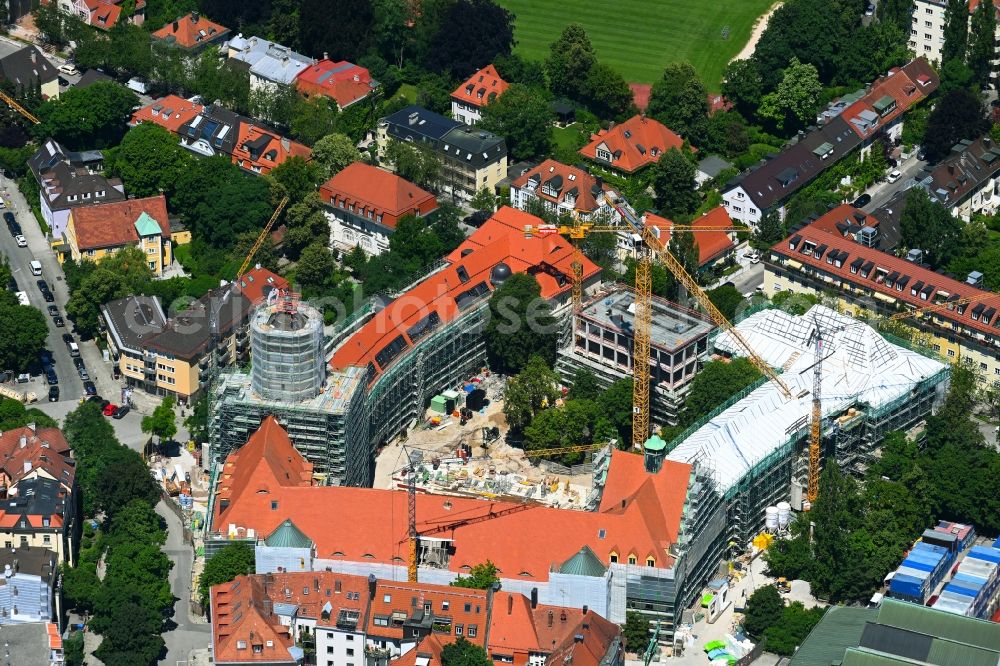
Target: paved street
883, 191
187, 635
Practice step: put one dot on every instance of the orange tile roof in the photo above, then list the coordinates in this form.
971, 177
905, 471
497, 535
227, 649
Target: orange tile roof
718, 103
906, 85
267, 481
44, 449
169, 112
257, 282
569, 178
711, 244
481, 88
634, 144
113, 224
500, 240
463, 605
430, 648
190, 31
370, 188
862, 260
260, 149
342, 81
245, 628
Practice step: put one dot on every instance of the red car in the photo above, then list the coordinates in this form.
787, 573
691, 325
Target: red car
109, 409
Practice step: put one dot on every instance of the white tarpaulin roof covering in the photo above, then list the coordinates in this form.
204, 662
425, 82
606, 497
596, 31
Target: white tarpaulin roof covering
858, 366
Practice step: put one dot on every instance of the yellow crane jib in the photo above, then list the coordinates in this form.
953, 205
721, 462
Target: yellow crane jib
17, 107
260, 239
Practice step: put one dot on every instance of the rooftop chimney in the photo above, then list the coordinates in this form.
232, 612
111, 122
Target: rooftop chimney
550, 618
534, 598
372, 580
510, 604
585, 609
326, 55
195, 16
177, 26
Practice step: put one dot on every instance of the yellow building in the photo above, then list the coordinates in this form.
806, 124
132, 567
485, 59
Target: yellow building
827, 257
97, 231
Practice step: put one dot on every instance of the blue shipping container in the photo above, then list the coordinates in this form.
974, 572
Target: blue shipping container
934, 560
965, 579
919, 574
910, 588
917, 564
996, 544
985, 553
957, 589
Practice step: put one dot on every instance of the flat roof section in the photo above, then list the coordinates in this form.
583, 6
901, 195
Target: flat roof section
333, 399
673, 326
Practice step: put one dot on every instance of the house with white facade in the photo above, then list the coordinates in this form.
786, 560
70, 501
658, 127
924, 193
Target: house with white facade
967, 182
271, 65
476, 92
565, 189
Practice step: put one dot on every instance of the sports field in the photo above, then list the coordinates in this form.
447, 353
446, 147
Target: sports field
639, 37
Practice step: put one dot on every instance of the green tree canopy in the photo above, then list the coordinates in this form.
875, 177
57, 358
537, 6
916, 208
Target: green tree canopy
334, 152
679, 100
958, 114
234, 560
523, 117
716, 383
795, 101
481, 577
464, 653
148, 160
929, 226
727, 299
743, 86
784, 636
673, 182
520, 325
87, 118
585, 385
528, 392
764, 609
635, 631
414, 162
608, 93
298, 177
22, 333
162, 423
571, 57
956, 31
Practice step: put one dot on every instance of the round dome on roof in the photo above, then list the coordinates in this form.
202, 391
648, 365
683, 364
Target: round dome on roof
500, 273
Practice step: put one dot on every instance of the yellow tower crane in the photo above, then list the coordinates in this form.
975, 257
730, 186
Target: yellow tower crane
260, 238
12, 103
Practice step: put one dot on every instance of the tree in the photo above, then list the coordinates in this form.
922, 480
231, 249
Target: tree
796, 99
148, 160
743, 86
770, 229
464, 653
679, 100
131, 634
584, 386
234, 560
162, 422
315, 267
87, 118
571, 57
137, 523
487, 30
390, 29
527, 392
956, 31
520, 325
684, 247
897, 12
22, 333
415, 163
481, 577
169, 65
523, 117
313, 118
334, 152
716, 383
636, 632
726, 134
616, 404
981, 43
784, 636
131, 50
125, 477
727, 299
14, 415
764, 609
51, 23
571, 424
608, 93
213, 79
297, 177
484, 201
343, 29
218, 201
514, 68
673, 182
929, 226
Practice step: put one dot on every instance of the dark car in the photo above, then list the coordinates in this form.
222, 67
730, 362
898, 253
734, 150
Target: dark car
49, 298
53, 311
68, 338
53, 394
12, 285
862, 201
45, 356
9, 218
116, 372
51, 377
59, 321
477, 219
42, 285
90, 388
78, 362
121, 412
83, 374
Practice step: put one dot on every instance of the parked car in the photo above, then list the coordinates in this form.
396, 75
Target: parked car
116, 372
49, 298
121, 412
89, 388
59, 321
84, 375
9, 218
68, 338
109, 409
53, 394
870, 10
21, 241
23, 378
53, 311
42, 285
69, 69
78, 362
862, 201
51, 377
894, 175
45, 356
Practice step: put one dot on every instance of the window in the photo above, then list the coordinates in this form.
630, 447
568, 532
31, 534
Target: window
650, 562
459, 628
982, 366
350, 652
329, 648
258, 648
274, 505
241, 645
473, 630
446, 604
468, 608
928, 11
996, 371
387, 599
350, 637
632, 559
47, 539
926, 36
927, 47
614, 558
951, 353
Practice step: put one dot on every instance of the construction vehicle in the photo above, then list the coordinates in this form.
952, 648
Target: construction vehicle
782, 585
260, 238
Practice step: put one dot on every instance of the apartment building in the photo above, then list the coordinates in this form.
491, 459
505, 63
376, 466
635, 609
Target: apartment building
476, 92
30, 586
168, 112
715, 248
364, 204
101, 14
967, 181
173, 354
852, 124
271, 65
927, 28
67, 180
831, 256
565, 189
471, 159
100, 230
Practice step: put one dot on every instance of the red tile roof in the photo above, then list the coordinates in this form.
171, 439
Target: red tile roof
113, 224
877, 265
906, 86
370, 188
481, 88
429, 648
190, 31
257, 282
259, 149
569, 179
245, 628
640, 94
267, 481
500, 240
711, 244
342, 81
465, 606
43, 449
718, 103
634, 144
169, 112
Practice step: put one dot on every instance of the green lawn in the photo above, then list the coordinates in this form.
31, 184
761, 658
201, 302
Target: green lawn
639, 37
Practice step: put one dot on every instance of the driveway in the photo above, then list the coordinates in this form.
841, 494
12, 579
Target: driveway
70, 385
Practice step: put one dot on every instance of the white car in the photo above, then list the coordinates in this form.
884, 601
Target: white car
21, 241
3, 204
894, 175
69, 69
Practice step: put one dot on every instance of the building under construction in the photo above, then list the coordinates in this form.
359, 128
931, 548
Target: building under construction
757, 442
602, 343
323, 412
